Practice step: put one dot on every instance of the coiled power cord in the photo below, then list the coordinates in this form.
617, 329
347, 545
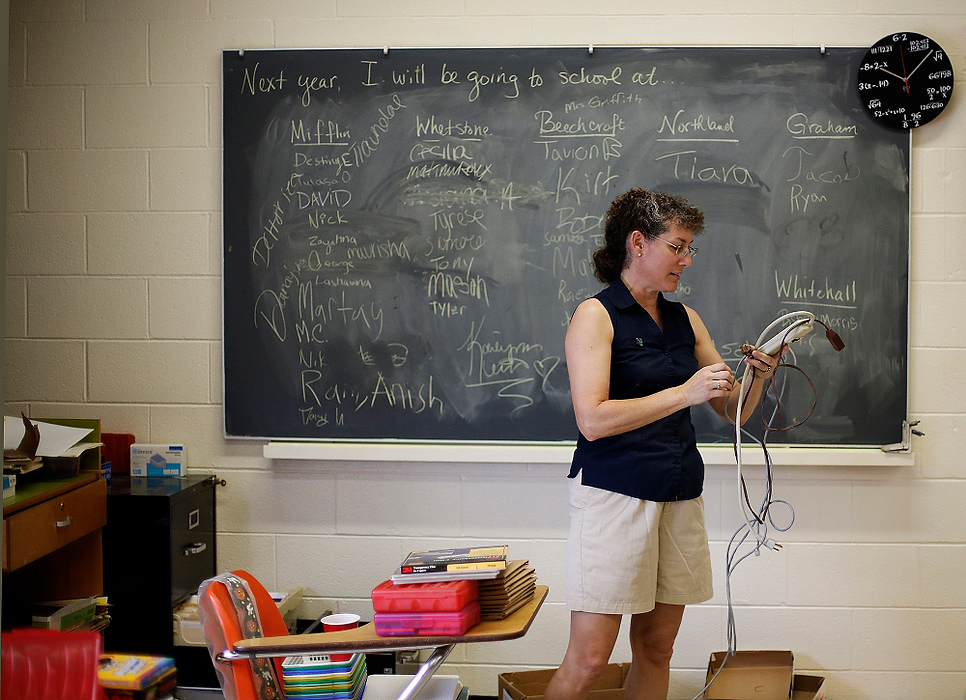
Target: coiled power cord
754, 533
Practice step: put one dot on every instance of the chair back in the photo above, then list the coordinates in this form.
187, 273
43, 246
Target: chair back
218, 608
40, 664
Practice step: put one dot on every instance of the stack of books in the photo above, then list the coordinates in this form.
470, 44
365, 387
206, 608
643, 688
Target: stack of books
102, 614
318, 677
455, 564
512, 588
448, 591
137, 677
74, 614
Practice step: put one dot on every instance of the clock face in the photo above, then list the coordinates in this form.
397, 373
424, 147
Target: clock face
905, 80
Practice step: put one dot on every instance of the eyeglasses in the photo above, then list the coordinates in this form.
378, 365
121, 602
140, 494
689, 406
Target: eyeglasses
681, 250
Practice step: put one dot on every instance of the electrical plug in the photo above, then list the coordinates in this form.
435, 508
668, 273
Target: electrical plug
785, 336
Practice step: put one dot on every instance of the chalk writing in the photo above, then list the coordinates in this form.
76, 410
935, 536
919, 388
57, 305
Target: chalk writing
262, 250
429, 126
453, 285
403, 397
584, 77
687, 167
313, 83
408, 232
501, 363
253, 83
699, 124
482, 80
801, 159
801, 126
360, 151
800, 199
800, 288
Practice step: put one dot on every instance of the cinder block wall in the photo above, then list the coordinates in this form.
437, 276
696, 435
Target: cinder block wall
113, 310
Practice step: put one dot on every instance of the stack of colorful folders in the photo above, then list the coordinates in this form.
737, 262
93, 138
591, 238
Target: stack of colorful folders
316, 677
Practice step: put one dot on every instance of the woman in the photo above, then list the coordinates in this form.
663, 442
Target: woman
637, 363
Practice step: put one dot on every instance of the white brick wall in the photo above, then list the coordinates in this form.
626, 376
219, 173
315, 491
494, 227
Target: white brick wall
113, 310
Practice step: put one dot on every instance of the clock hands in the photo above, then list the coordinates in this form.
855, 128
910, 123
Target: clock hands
896, 75
908, 95
905, 78
920, 63
902, 55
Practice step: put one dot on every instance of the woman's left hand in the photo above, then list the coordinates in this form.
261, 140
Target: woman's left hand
763, 363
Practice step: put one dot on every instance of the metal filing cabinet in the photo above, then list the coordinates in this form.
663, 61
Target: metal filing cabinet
159, 545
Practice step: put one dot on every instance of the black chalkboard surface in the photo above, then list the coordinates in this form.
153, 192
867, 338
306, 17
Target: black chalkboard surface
407, 231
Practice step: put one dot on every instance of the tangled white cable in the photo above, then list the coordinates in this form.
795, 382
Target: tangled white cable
757, 524
799, 324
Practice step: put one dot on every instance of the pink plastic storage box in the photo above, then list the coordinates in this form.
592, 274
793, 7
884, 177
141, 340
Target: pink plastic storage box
430, 623
440, 596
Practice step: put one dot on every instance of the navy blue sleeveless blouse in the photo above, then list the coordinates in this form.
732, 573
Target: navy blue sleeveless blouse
659, 461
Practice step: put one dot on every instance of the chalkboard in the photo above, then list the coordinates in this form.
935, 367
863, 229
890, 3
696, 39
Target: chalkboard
408, 231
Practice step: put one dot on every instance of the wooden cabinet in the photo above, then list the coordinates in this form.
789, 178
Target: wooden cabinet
39, 530
52, 543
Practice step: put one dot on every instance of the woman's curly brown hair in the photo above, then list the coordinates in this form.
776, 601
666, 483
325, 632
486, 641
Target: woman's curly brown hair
651, 213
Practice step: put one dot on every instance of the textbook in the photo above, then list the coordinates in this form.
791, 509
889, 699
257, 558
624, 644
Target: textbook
439, 576
132, 671
455, 560
64, 615
160, 689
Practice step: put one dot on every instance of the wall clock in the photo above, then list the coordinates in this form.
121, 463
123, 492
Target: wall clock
905, 80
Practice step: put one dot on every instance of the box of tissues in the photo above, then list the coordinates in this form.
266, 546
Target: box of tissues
158, 460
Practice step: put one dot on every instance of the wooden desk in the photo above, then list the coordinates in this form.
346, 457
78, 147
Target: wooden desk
362, 639
52, 542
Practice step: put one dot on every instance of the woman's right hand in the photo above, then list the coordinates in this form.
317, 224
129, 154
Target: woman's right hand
708, 383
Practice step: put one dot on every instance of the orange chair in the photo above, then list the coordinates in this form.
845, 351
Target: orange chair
38, 664
241, 679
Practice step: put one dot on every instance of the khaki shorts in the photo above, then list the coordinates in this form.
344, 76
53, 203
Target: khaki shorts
625, 554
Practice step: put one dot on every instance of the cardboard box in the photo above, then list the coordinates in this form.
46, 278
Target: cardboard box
808, 687
158, 460
760, 675
531, 685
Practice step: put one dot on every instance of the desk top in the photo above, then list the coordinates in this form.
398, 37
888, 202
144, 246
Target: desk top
157, 486
365, 638
35, 488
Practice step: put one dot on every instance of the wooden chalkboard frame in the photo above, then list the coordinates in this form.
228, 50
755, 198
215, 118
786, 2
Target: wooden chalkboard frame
263, 89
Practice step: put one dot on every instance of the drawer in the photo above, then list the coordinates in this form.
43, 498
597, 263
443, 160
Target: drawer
45, 527
192, 541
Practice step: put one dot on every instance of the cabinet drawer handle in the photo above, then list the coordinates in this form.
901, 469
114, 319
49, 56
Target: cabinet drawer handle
194, 548
65, 523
